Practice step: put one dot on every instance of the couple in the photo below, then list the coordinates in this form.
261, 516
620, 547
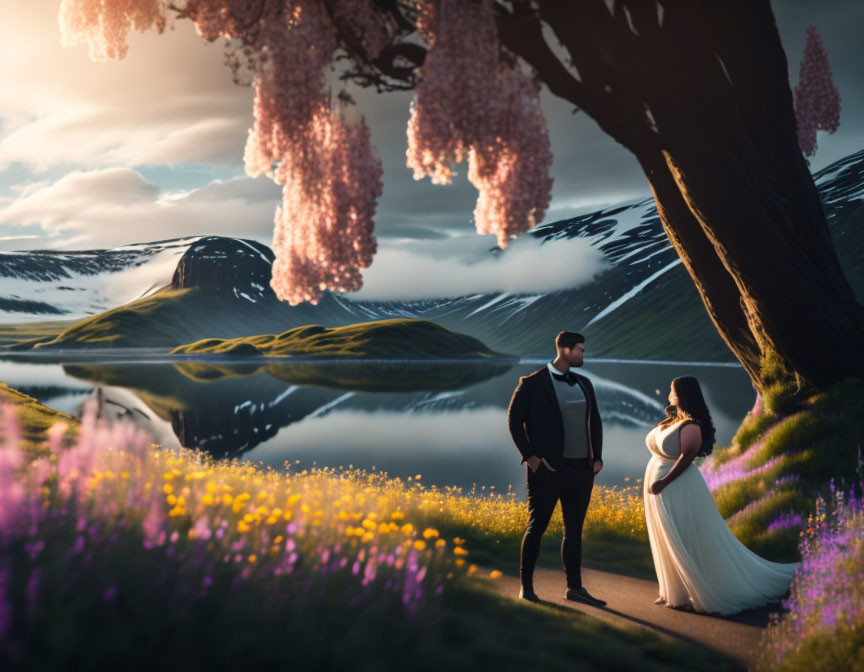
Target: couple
700, 565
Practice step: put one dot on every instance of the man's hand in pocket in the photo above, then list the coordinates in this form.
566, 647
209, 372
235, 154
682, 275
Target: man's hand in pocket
534, 463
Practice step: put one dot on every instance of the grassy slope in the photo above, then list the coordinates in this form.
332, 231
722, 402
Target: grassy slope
166, 319
34, 418
480, 629
393, 338
31, 332
667, 321
803, 450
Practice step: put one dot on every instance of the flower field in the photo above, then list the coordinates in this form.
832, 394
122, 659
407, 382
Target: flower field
83, 531
824, 626
101, 531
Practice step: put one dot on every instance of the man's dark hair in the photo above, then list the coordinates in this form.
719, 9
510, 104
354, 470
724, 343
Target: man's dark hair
568, 339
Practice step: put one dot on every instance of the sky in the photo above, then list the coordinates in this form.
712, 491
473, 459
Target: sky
97, 155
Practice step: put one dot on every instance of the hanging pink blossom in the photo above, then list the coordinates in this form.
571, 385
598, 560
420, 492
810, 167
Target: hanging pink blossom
329, 172
817, 100
324, 225
511, 171
454, 99
104, 25
474, 100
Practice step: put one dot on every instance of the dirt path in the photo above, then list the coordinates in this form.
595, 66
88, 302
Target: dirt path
630, 601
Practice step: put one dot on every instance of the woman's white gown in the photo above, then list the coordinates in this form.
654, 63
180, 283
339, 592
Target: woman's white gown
697, 558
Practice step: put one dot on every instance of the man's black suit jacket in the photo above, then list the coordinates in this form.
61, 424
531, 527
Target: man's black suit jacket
535, 422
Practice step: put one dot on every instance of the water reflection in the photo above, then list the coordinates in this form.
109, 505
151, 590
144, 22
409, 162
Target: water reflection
229, 410
446, 422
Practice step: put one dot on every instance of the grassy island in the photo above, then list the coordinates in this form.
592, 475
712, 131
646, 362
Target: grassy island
382, 339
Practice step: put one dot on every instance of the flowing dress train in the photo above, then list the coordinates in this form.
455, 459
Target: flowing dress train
697, 558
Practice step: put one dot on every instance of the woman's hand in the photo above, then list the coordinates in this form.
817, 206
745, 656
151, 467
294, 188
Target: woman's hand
657, 487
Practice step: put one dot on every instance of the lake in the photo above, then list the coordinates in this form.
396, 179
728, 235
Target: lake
446, 422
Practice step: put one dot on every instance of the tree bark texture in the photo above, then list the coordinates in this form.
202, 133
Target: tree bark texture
699, 92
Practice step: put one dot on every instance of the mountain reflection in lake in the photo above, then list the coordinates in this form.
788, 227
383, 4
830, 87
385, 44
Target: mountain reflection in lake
447, 422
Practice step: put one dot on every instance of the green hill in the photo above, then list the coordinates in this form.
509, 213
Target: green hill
165, 319
382, 339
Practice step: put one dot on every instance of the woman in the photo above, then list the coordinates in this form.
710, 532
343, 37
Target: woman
699, 562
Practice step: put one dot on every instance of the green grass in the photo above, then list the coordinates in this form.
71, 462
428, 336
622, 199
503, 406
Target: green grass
165, 319
30, 332
385, 339
484, 630
34, 419
146, 322
816, 441
819, 652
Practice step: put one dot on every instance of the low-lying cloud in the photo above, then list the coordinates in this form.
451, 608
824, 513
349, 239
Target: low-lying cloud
118, 206
524, 267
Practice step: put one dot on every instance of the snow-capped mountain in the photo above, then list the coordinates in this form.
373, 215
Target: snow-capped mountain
44, 284
643, 306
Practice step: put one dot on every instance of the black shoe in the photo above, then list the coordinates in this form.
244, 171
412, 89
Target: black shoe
528, 594
582, 595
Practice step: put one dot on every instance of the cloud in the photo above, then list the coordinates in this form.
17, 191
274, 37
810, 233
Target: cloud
170, 102
117, 206
524, 267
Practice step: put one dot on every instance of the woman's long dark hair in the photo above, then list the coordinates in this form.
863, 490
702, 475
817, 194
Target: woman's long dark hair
691, 403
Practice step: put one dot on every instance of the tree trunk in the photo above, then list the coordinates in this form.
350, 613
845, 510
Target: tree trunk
700, 95
766, 225
715, 285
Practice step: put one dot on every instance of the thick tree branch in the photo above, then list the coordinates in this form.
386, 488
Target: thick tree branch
380, 70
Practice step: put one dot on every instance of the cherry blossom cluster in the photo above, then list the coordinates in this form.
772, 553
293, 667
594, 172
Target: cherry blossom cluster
474, 101
329, 171
104, 25
817, 100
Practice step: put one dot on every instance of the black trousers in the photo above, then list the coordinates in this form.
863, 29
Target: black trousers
571, 483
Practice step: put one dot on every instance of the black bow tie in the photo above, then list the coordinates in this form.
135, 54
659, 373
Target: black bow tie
569, 377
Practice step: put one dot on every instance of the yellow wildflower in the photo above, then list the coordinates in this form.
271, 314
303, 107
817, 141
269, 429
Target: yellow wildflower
242, 526
407, 529
419, 544
167, 488
459, 551
430, 533
495, 574
253, 558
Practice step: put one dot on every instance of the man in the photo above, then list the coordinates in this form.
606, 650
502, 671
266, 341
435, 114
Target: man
555, 424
